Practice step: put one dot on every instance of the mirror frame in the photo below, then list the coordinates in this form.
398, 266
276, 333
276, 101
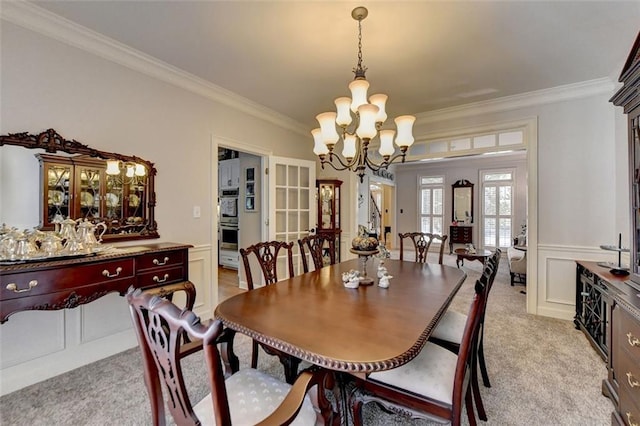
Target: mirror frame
51, 142
462, 183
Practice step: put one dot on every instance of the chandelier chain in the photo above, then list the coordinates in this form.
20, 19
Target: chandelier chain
359, 70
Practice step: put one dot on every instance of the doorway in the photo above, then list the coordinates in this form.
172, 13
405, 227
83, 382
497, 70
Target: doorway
239, 221
381, 211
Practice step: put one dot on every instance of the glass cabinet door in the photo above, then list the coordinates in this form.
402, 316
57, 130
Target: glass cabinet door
89, 187
58, 194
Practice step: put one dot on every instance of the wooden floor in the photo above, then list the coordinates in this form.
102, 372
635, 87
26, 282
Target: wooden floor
228, 284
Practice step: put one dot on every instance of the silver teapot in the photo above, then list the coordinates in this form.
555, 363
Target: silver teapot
87, 233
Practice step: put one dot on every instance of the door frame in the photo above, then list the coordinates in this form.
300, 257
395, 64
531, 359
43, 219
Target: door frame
221, 141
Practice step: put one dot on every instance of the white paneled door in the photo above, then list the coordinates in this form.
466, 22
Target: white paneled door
292, 204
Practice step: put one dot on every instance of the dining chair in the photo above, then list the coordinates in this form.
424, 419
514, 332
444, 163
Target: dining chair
421, 244
266, 253
159, 325
431, 385
449, 331
318, 245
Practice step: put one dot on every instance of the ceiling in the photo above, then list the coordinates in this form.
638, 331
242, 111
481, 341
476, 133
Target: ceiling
296, 57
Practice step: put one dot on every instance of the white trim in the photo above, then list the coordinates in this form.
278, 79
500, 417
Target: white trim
529, 99
531, 138
42, 21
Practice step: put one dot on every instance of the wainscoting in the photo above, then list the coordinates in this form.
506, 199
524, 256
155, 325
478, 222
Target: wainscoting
37, 345
557, 277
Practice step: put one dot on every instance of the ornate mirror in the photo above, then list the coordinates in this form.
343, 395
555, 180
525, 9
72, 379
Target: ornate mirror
80, 182
462, 197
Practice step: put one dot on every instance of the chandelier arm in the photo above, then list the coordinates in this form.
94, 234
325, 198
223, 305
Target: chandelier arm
345, 164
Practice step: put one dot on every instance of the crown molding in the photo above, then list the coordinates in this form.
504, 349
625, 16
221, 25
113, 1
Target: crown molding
56, 27
539, 97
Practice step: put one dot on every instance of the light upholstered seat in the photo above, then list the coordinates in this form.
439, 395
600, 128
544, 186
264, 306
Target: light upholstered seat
252, 396
517, 259
450, 329
247, 397
431, 385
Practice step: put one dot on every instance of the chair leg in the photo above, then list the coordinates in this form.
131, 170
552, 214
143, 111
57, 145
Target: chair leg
476, 393
513, 276
254, 355
356, 410
483, 365
468, 399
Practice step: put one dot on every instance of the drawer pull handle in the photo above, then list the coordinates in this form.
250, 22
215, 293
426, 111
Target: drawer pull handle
164, 262
632, 381
630, 420
633, 341
14, 287
160, 280
107, 274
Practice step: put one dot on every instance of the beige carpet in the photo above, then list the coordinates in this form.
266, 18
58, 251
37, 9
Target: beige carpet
543, 372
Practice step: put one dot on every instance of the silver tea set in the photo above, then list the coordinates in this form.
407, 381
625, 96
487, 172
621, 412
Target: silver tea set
69, 238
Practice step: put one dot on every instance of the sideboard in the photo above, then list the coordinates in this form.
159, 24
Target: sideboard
460, 235
68, 283
608, 312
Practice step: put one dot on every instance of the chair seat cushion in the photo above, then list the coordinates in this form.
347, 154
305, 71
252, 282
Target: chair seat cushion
253, 395
451, 327
430, 374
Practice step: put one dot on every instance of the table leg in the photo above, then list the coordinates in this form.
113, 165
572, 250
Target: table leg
229, 359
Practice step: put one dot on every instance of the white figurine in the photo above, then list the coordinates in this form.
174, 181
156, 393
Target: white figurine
351, 279
384, 281
382, 271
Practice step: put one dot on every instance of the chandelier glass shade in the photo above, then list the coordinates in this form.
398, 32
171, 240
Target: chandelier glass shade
357, 121
132, 171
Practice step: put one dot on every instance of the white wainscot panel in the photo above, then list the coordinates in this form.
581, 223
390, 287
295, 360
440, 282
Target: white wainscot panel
560, 282
103, 317
30, 335
200, 275
557, 277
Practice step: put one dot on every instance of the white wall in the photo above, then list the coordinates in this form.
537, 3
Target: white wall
581, 199
48, 84
454, 170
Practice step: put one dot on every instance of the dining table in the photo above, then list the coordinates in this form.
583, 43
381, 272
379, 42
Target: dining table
315, 318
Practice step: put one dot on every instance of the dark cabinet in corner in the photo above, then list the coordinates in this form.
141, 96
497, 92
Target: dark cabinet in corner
460, 235
623, 383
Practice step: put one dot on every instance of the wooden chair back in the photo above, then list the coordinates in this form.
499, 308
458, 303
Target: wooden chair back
421, 244
267, 255
317, 245
159, 326
409, 403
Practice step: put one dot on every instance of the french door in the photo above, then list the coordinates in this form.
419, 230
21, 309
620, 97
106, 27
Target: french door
292, 205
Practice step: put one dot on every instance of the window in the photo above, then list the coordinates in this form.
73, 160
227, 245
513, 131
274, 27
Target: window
497, 207
431, 204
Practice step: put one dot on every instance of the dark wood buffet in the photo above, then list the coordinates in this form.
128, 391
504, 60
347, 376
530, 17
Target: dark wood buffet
68, 283
460, 235
608, 312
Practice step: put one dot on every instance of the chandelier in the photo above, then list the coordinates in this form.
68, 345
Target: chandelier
359, 122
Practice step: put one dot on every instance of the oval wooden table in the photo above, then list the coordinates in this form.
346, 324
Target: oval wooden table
480, 255
315, 318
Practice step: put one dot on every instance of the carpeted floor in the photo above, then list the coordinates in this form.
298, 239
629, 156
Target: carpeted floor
543, 372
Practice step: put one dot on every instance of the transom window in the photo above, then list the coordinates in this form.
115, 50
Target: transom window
497, 207
431, 204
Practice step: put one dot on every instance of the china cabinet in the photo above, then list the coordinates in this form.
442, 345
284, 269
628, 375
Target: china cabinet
86, 183
329, 210
79, 187
623, 381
